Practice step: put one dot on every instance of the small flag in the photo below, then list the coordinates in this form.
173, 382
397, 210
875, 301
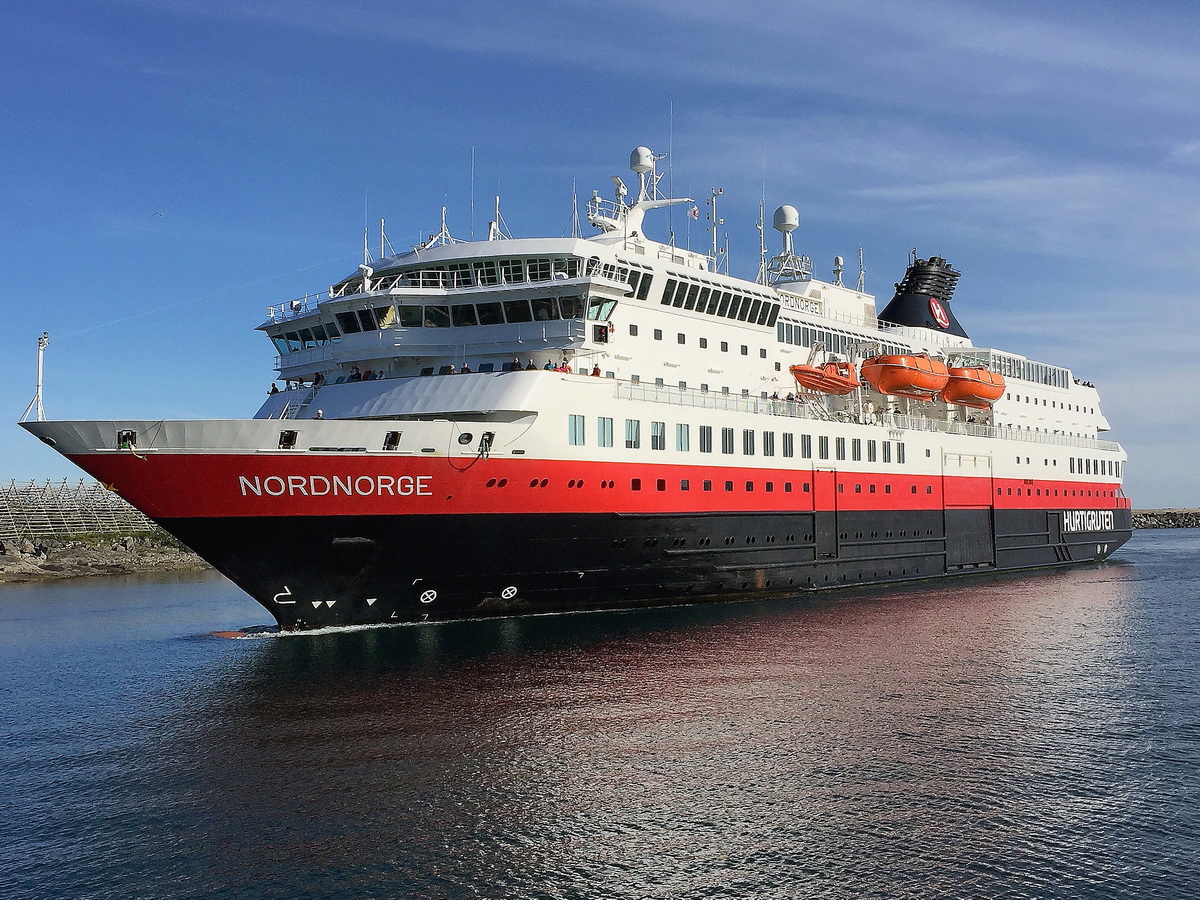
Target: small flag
694, 212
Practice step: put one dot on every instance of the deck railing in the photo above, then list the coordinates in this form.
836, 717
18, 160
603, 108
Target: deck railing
806, 408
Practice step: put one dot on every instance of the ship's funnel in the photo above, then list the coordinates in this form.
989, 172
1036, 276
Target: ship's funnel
922, 297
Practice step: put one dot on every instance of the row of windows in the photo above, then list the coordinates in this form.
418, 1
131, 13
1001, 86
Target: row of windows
715, 301
492, 272
1026, 370
440, 315
1075, 407
751, 441
1084, 466
835, 341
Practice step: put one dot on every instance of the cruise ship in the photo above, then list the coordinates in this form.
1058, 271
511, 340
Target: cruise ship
512, 426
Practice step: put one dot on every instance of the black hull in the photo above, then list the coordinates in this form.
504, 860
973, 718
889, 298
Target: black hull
318, 572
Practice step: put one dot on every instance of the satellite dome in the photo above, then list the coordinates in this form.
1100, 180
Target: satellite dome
787, 219
641, 160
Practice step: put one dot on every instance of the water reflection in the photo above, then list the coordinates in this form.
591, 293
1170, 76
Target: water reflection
1018, 737
669, 752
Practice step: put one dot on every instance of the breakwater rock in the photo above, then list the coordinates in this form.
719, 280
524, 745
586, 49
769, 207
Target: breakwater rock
22, 559
1166, 518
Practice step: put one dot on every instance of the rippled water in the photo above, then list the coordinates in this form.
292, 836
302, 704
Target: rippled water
1034, 736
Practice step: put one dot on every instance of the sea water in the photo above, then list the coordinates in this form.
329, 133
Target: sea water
1026, 736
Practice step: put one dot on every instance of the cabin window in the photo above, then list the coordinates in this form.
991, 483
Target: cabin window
658, 334
681, 338
411, 316
706, 439
539, 270
633, 331
517, 311
724, 346
437, 317
806, 446
643, 290
823, 447
600, 308
633, 434
544, 309
512, 271
768, 443
604, 431
463, 315
575, 430
391, 440
748, 442
703, 343
707, 485
287, 439
683, 438
348, 323
856, 449
658, 436
789, 445
871, 451
726, 440
490, 313
900, 452
571, 307
839, 447
887, 451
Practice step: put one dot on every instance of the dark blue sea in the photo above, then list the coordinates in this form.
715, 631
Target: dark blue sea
1035, 736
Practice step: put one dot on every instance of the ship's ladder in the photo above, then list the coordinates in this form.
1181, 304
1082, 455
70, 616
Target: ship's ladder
293, 412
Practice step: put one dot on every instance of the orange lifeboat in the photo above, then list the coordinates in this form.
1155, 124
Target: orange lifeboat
974, 387
834, 377
916, 375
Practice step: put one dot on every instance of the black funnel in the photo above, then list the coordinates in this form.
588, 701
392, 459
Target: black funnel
923, 297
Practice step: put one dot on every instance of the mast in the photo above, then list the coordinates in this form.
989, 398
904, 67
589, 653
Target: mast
35, 405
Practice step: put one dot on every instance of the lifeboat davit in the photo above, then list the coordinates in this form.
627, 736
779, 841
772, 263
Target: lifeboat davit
833, 377
904, 375
974, 387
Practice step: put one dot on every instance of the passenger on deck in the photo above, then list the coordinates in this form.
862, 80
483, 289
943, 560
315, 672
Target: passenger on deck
368, 375
565, 367
450, 370
274, 388
466, 369
355, 375
532, 364
318, 379
549, 366
595, 371
320, 414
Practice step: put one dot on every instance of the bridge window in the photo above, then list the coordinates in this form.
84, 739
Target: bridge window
544, 308
463, 315
437, 317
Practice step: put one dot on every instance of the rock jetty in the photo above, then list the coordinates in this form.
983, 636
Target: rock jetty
43, 559
1166, 518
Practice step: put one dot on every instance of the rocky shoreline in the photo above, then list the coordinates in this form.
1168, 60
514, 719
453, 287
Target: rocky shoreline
24, 560
1166, 518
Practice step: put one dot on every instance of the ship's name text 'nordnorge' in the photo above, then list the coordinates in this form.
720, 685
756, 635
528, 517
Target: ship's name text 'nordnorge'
350, 485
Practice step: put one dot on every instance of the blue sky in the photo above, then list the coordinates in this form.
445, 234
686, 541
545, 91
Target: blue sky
173, 167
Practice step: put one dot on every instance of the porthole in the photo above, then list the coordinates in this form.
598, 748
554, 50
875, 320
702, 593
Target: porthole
465, 437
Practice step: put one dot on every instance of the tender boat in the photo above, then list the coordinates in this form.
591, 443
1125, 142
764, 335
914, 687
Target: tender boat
918, 376
971, 386
833, 377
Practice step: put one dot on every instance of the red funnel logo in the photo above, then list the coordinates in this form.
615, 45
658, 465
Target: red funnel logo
939, 313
